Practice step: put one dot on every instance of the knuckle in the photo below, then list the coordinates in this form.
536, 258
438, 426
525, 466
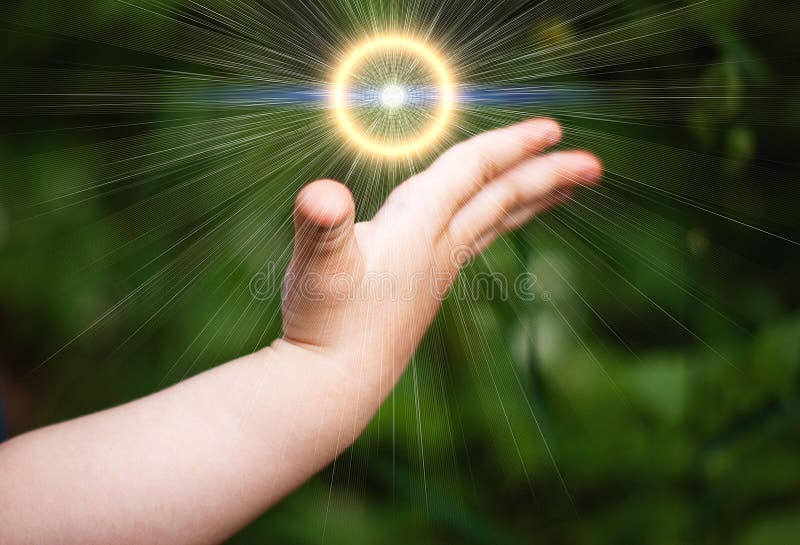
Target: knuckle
507, 193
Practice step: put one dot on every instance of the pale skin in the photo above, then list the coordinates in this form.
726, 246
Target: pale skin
198, 461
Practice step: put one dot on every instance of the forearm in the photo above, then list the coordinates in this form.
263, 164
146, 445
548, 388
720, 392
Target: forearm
196, 462
193, 463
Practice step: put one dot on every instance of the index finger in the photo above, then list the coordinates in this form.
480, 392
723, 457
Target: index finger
467, 167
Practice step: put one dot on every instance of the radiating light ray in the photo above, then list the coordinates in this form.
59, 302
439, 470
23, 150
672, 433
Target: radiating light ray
243, 120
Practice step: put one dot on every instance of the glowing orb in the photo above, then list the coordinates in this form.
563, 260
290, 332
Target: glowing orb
393, 96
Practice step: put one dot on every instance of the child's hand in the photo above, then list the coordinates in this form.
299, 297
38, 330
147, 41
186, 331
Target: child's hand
196, 462
367, 292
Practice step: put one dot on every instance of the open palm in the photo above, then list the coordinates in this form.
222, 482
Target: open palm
368, 291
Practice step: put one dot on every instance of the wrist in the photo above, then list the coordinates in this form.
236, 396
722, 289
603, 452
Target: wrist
361, 380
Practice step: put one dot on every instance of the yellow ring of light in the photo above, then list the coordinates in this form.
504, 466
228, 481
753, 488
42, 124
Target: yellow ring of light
437, 66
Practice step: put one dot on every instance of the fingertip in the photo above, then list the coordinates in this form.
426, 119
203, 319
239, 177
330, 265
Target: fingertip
589, 168
579, 167
541, 132
325, 203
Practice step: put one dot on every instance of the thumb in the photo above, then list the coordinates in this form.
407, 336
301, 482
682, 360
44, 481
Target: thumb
324, 215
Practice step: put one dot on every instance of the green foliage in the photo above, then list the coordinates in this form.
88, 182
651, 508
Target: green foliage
649, 393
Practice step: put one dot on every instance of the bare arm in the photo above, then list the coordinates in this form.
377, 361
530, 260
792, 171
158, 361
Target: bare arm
198, 461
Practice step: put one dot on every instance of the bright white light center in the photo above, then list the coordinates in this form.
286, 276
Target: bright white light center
393, 96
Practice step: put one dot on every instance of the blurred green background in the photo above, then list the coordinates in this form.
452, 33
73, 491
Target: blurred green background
650, 393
